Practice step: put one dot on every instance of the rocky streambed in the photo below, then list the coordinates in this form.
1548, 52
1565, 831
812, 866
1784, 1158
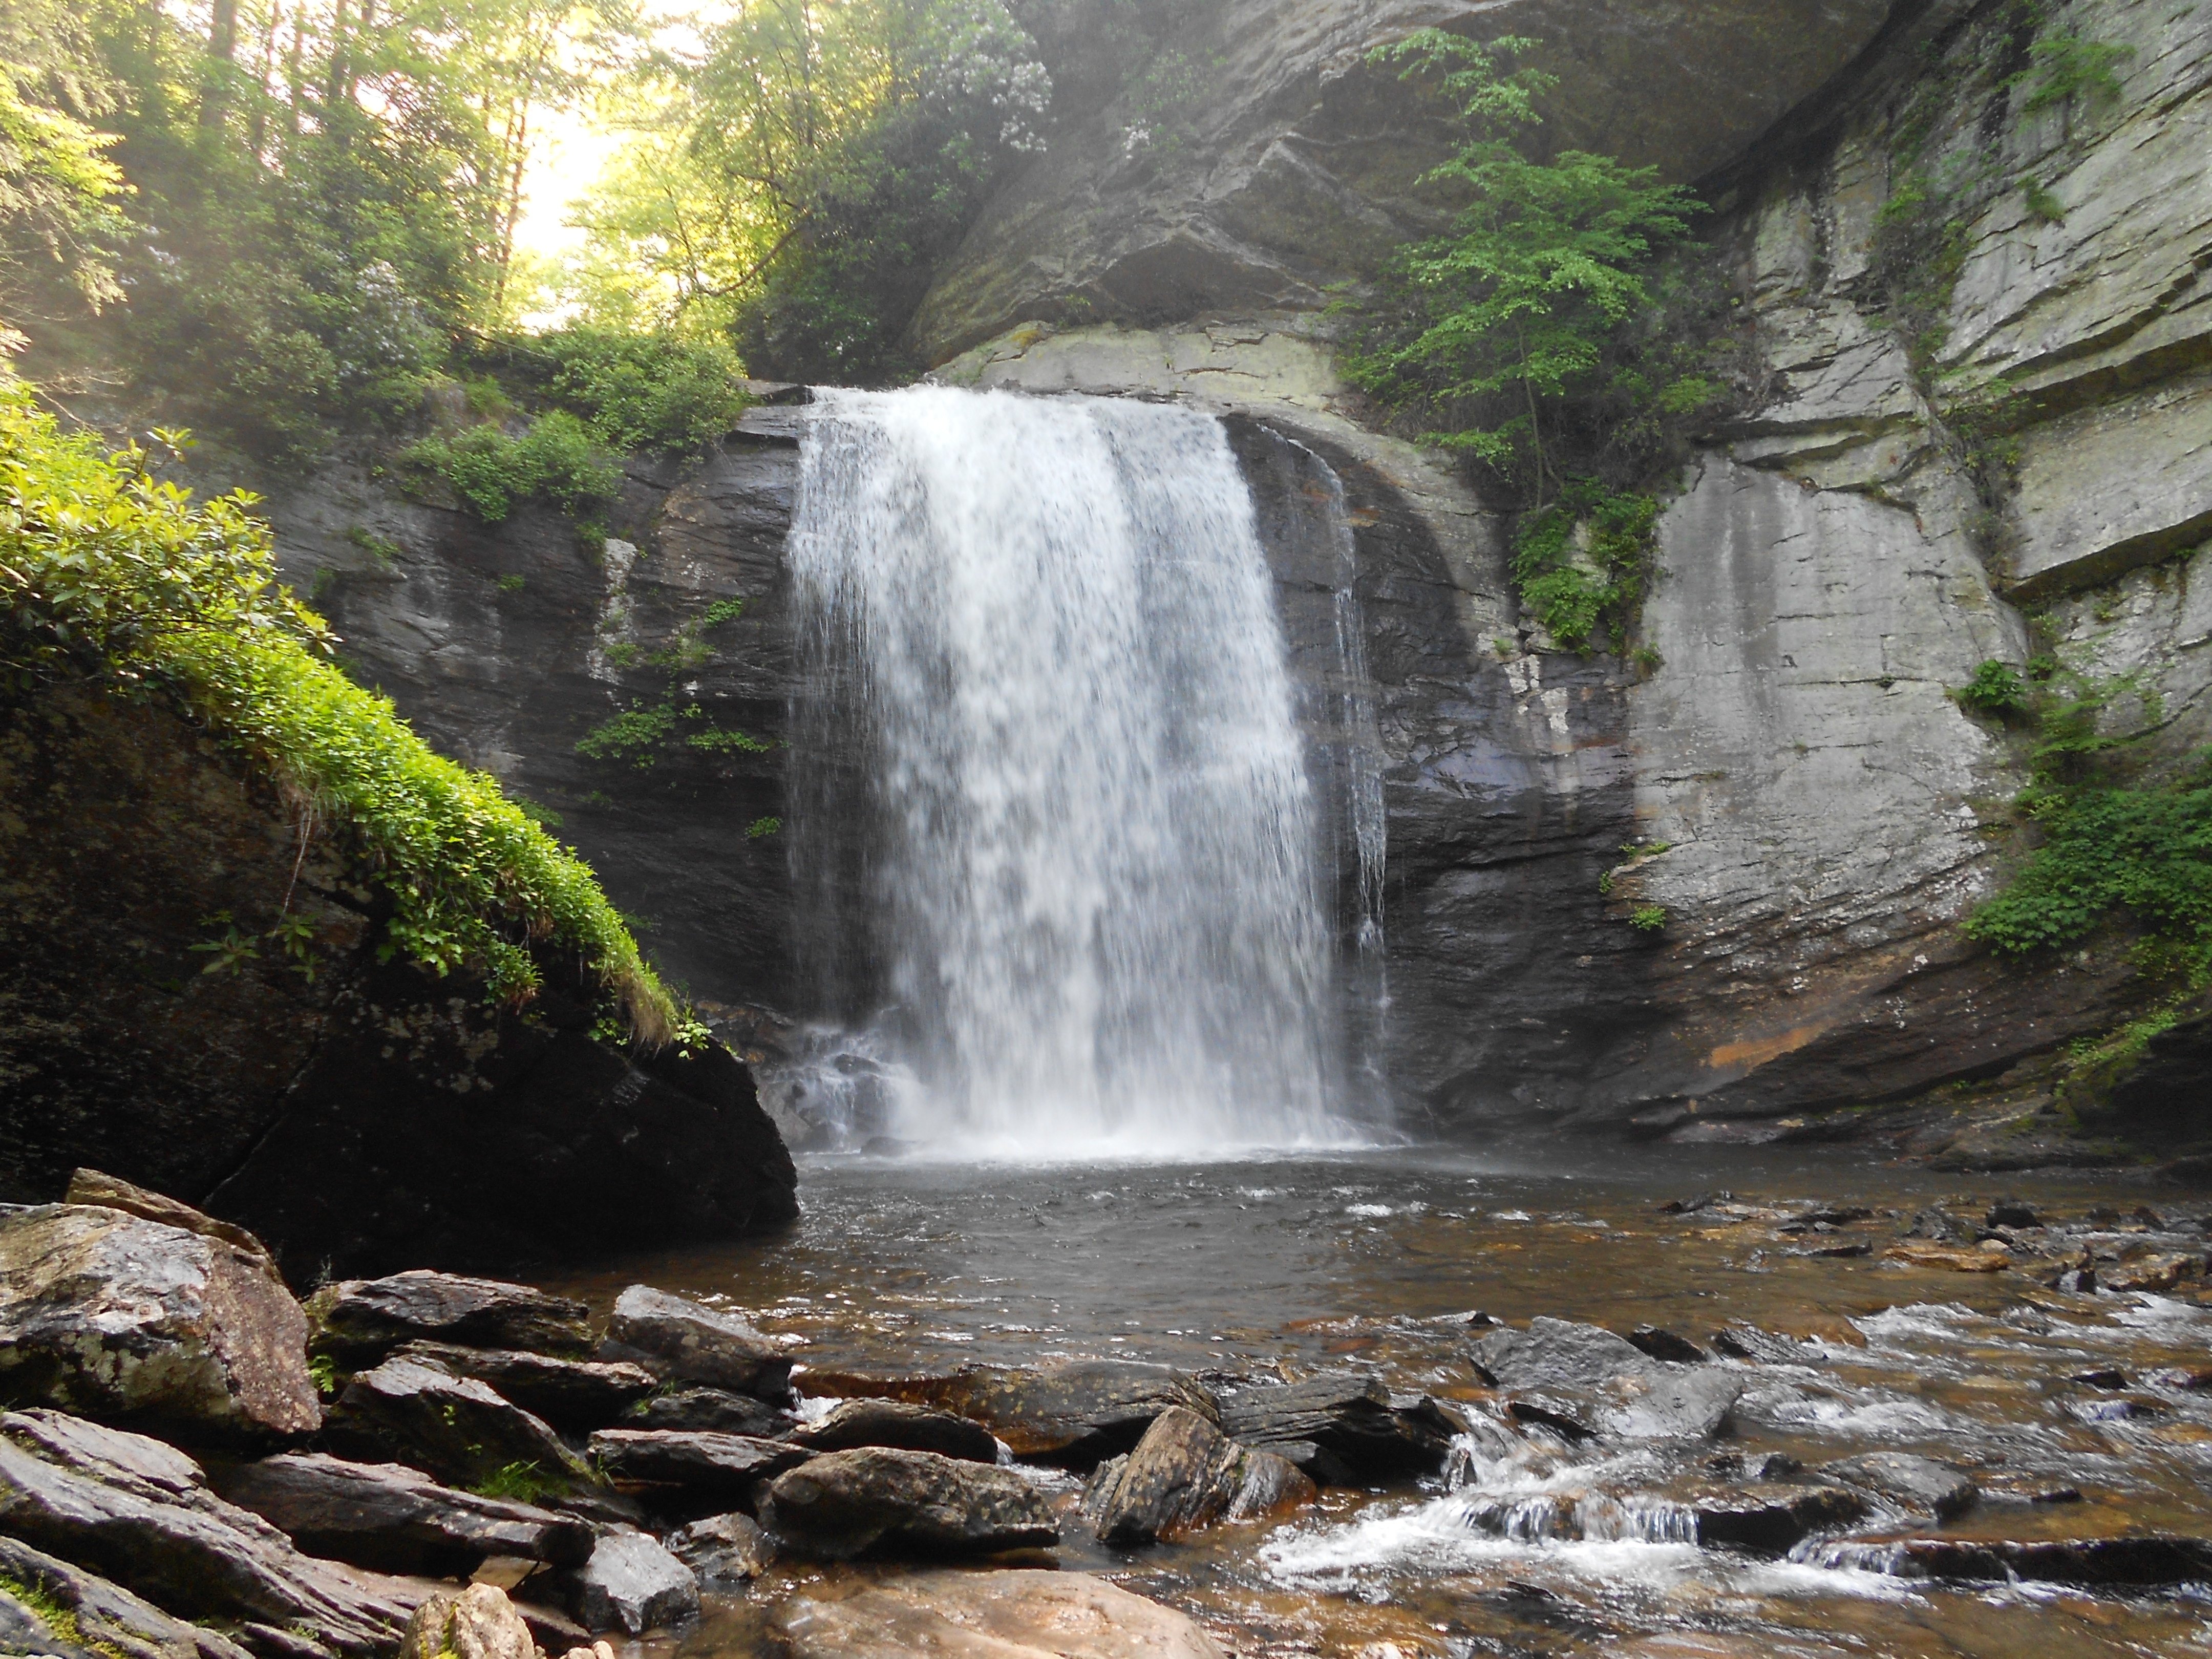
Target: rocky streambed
1375, 1407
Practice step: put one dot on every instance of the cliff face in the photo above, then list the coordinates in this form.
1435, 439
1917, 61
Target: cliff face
1833, 563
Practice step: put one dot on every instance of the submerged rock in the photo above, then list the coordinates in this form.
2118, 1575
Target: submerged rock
475, 1623
140, 1513
631, 1583
359, 1321
570, 1394
1016, 1614
1186, 1474
901, 1423
118, 1317
110, 1620
879, 1501
452, 1427
1584, 1379
1918, 1483
2140, 1562
390, 1517
1341, 1428
1769, 1520
683, 1340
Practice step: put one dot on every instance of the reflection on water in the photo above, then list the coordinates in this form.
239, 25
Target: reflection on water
1530, 1544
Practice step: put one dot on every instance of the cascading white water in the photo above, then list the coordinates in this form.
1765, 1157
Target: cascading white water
1073, 867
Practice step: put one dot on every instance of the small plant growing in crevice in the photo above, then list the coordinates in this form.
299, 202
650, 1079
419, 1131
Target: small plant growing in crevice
1997, 691
1647, 918
763, 827
722, 610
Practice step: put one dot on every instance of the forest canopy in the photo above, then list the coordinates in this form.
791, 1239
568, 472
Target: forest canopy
283, 218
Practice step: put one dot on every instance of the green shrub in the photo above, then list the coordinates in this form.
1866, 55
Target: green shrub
1582, 558
633, 737
111, 574
722, 610
649, 392
1647, 918
1996, 689
2065, 67
554, 460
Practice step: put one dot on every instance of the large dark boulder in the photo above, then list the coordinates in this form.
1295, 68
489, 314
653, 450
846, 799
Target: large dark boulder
368, 1118
359, 1321
395, 1519
878, 1502
117, 1317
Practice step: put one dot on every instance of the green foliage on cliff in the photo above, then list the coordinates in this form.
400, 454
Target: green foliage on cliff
112, 575
2120, 834
554, 460
651, 392
1544, 336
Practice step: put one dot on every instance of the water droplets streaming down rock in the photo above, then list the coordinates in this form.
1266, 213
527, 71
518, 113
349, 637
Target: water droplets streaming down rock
1053, 820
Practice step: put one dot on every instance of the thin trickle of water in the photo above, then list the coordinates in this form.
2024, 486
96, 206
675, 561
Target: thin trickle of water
1053, 820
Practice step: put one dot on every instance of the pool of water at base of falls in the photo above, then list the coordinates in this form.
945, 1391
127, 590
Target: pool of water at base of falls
1531, 1544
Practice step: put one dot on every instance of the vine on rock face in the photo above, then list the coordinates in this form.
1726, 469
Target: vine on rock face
1545, 338
110, 575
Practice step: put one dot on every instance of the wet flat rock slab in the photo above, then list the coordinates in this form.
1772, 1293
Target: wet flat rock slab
1014, 1614
886, 1501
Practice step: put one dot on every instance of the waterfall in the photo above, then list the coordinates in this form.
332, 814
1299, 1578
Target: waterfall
1052, 826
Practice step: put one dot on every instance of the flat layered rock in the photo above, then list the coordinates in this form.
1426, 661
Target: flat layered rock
405, 1411
140, 1513
393, 1518
631, 1583
113, 1315
110, 1620
725, 1465
683, 1341
881, 1501
359, 1321
1918, 1483
578, 1394
1075, 1414
715, 1410
1018, 1614
1186, 1474
901, 1423
1342, 1428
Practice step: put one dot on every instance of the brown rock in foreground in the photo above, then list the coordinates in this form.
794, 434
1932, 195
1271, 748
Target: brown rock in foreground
992, 1615
126, 1320
475, 1623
